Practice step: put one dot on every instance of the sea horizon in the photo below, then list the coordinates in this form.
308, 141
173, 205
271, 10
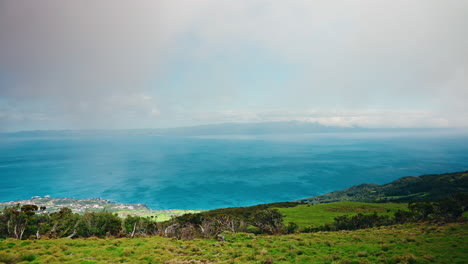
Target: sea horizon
207, 172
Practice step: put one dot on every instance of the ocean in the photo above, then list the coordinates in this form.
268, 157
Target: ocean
218, 171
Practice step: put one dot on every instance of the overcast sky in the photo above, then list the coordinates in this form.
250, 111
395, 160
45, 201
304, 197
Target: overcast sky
144, 64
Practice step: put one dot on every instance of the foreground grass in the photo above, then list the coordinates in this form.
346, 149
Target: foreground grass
410, 243
321, 214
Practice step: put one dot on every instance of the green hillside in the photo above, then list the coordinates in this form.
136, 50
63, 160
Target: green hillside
286, 232
423, 188
410, 243
321, 214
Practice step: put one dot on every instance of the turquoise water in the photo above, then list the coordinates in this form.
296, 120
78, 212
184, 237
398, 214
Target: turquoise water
214, 172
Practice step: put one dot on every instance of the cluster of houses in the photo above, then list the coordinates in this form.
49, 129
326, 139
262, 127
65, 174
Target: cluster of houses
76, 205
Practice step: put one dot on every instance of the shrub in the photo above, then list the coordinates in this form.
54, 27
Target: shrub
8, 258
28, 257
25, 243
269, 221
407, 258
385, 247
291, 228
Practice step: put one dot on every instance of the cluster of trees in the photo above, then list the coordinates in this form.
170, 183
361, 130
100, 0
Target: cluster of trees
258, 219
447, 210
189, 226
29, 221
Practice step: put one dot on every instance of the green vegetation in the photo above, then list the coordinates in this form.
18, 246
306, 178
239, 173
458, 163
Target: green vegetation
166, 215
321, 214
23, 222
406, 189
409, 243
288, 232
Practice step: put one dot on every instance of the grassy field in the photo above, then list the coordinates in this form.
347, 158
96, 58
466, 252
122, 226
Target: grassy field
410, 243
165, 215
320, 214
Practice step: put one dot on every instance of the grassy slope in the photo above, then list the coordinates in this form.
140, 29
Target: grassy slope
320, 214
411, 243
425, 187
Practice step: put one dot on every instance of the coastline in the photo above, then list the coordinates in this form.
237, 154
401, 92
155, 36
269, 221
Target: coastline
82, 206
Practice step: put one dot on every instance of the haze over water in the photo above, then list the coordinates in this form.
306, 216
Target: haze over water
214, 172
246, 67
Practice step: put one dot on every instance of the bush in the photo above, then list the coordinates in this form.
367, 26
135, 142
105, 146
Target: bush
28, 257
291, 228
269, 221
360, 221
8, 258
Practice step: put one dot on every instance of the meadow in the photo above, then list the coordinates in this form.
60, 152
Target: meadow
409, 243
316, 215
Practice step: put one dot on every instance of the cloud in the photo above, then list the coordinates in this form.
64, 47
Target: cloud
345, 118
164, 63
20, 116
86, 63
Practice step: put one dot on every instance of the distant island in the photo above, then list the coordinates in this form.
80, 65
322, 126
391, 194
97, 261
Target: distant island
224, 129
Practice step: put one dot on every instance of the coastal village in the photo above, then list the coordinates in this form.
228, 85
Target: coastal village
82, 206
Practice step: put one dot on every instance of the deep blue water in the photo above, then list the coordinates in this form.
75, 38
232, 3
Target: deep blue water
206, 173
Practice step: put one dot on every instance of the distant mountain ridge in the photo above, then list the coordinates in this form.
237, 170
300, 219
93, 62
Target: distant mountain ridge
426, 187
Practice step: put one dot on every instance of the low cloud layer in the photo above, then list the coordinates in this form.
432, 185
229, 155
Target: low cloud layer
344, 118
127, 64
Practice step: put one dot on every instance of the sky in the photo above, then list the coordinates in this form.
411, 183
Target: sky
147, 64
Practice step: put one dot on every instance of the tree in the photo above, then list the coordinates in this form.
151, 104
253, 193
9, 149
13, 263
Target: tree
421, 210
136, 225
64, 223
269, 221
99, 224
16, 219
